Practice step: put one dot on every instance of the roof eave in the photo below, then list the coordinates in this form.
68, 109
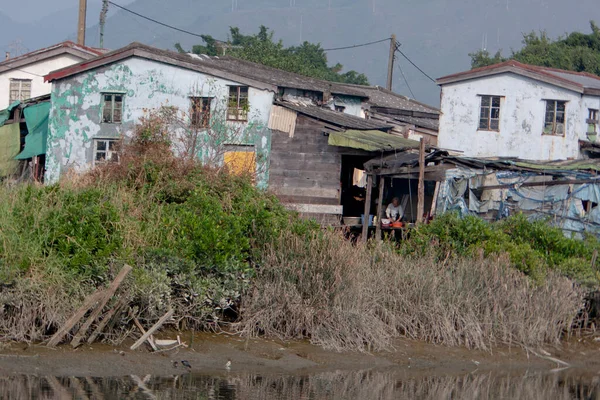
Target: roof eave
547, 78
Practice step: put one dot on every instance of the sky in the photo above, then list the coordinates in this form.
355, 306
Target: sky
437, 35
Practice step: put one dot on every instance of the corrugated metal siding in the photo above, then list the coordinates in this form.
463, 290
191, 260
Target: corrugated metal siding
283, 120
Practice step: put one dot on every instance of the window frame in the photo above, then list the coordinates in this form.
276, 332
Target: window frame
108, 142
239, 111
554, 118
112, 111
19, 90
488, 116
592, 120
204, 109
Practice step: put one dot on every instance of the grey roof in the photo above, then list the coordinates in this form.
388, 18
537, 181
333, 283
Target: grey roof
335, 117
587, 81
428, 123
242, 71
381, 97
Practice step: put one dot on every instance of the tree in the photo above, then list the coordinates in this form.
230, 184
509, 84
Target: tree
308, 59
575, 52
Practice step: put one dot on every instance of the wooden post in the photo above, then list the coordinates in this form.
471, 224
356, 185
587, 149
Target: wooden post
367, 211
421, 194
154, 328
108, 294
390, 76
436, 193
82, 21
89, 302
379, 208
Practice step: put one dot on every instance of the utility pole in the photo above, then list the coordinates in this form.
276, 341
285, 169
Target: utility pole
103, 21
81, 27
393, 48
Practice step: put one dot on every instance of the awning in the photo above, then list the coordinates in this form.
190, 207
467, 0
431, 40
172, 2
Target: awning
36, 117
371, 141
5, 114
10, 144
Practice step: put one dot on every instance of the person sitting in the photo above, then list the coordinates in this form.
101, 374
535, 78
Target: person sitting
394, 211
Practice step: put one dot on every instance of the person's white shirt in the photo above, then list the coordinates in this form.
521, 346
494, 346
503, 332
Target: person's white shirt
394, 213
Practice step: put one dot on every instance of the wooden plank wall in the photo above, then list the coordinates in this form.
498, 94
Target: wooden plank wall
305, 169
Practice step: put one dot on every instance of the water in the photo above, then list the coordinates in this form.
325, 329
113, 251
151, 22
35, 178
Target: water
327, 385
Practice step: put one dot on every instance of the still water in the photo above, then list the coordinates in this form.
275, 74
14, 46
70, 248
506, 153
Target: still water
330, 385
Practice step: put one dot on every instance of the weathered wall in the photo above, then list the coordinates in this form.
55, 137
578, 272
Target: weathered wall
304, 168
35, 72
521, 119
75, 116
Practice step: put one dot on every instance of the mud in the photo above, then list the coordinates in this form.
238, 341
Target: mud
209, 354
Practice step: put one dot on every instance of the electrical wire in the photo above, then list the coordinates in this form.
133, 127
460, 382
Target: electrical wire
406, 81
155, 21
416, 66
358, 45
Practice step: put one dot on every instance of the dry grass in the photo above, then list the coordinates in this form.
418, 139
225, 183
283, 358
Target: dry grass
344, 297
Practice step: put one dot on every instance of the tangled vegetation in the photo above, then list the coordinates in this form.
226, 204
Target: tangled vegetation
533, 247
217, 250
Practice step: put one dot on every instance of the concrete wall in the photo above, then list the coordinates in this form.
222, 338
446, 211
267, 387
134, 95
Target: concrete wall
75, 116
35, 72
522, 115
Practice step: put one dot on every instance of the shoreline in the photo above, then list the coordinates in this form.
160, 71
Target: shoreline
210, 353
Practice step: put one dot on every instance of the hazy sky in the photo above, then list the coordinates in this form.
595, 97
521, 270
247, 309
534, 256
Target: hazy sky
37, 9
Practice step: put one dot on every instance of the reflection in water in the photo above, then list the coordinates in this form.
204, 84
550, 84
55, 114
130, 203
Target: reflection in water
330, 385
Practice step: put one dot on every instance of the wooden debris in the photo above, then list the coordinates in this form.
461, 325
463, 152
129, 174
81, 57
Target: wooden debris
108, 294
154, 328
141, 328
107, 317
90, 302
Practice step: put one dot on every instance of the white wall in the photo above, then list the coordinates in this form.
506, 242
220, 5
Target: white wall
521, 119
35, 72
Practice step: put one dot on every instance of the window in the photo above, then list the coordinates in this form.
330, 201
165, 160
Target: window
200, 113
592, 121
240, 160
237, 105
489, 115
112, 109
106, 150
554, 123
20, 89
340, 108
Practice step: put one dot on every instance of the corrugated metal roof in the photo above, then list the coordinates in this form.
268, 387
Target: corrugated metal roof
335, 117
371, 141
381, 97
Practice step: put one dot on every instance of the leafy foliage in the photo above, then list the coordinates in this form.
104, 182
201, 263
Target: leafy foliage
533, 247
575, 52
308, 59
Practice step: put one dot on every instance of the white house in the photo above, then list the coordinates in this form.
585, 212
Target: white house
517, 110
22, 77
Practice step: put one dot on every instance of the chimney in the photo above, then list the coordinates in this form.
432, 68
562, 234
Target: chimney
7, 55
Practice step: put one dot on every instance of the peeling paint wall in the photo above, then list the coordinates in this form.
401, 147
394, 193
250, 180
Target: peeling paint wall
522, 115
75, 116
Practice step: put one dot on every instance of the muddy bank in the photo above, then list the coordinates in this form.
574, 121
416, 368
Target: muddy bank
209, 354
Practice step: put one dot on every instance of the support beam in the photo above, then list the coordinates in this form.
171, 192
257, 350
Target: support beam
421, 193
379, 207
367, 211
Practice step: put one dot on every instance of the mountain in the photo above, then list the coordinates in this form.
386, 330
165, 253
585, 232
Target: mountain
437, 35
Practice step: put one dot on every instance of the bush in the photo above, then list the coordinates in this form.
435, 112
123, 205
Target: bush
533, 247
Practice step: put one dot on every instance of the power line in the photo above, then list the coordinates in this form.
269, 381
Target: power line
406, 81
416, 66
358, 45
155, 21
